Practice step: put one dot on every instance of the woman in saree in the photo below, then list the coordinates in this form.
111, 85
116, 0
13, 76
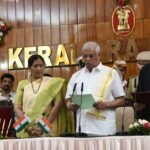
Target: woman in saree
41, 95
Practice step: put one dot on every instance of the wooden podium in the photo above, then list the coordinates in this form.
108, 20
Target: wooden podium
6, 118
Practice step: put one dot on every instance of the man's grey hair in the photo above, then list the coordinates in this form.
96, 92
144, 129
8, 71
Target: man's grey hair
91, 45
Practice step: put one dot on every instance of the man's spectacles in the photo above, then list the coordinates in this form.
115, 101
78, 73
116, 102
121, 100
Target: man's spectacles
122, 68
84, 56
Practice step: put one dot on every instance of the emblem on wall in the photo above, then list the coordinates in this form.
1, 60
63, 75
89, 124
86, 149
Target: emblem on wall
123, 20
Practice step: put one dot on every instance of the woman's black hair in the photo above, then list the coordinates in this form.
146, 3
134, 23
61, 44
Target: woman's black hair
33, 58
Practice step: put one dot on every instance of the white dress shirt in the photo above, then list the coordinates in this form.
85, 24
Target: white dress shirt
93, 84
11, 96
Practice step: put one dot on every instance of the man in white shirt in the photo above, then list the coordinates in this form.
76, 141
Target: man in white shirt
105, 86
6, 92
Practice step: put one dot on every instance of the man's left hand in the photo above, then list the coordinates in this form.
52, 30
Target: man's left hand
100, 105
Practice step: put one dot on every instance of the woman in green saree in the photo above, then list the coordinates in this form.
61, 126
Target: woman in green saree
41, 95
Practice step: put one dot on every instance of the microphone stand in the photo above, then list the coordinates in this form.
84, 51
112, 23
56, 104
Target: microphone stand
66, 134
77, 134
81, 134
73, 91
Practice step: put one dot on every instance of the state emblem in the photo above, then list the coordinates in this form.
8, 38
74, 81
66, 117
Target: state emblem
123, 20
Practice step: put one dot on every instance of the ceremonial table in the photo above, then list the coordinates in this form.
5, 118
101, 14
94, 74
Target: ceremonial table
62, 143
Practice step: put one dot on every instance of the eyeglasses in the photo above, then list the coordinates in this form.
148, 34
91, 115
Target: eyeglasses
90, 56
122, 68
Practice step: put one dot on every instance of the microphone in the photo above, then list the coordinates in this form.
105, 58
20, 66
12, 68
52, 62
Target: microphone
74, 88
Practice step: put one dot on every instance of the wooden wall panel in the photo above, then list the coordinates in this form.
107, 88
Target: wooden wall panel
142, 44
3, 10
82, 33
28, 37
146, 9
139, 30
90, 11
91, 32
11, 6
100, 30
100, 10
12, 38
20, 13
146, 28
37, 13
37, 36
139, 5
109, 32
71, 36
109, 7
20, 38
55, 12
55, 35
81, 11
72, 12
68, 22
64, 34
63, 12
28, 13
46, 12
46, 38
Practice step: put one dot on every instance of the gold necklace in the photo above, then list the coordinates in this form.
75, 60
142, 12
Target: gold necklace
35, 91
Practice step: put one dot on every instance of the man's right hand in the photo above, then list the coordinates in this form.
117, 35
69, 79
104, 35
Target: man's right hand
72, 106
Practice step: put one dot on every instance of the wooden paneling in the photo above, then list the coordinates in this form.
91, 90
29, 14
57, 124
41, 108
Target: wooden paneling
64, 34
20, 38
37, 36
55, 12
37, 17
3, 10
28, 13
101, 31
12, 38
109, 7
146, 28
139, 5
46, 38
90, 11
68, 22
55, 35
72, 11
11, 6
91, 34
100, 10
81, 11
46, 16
20, 13
63, 12
82, 33
139, 30
28, 37
146, 9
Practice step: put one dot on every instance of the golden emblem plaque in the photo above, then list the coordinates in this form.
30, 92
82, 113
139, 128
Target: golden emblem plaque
123, 20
